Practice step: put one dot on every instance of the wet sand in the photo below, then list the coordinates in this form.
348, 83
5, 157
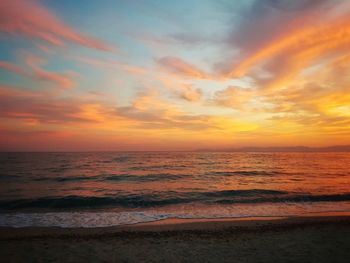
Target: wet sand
301, 239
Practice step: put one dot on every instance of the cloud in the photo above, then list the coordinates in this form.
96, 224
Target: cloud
189, 39
40, 107
285, 73
190, 93
264, 20
306, 45
233, 97
182, 68
286, 43
150, 111
37, 72
61, 80
322, 92
291, 6
147, 111
112, 65
315, 103
170, 81
12, 68
30, 19
318, 100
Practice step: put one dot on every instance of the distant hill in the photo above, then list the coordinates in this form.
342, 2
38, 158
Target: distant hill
335, 148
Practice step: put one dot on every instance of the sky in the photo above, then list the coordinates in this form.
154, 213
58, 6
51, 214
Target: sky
121, 75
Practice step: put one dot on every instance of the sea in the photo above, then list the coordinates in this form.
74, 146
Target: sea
102, 189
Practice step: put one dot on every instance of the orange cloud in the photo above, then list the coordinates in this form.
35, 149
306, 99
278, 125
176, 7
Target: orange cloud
182, 68
148, 111
190, 93
299, 48
318, 101
296, 88
150, 122
233, 97
30, 19
39, 106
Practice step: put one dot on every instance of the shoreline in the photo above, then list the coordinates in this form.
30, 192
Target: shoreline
175, 226
295, 239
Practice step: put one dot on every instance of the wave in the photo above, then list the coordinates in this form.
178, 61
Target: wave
114, 177
244, 173
169, 198
244, 193
87, 202
66, 178
158, 167
121, 159
147, 177
291, 199
144, 178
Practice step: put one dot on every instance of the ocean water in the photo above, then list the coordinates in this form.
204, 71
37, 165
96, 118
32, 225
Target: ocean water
107, 189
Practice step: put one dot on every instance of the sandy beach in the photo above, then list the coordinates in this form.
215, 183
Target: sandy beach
300, 239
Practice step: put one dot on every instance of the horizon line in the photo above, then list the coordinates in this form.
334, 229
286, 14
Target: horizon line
331, 148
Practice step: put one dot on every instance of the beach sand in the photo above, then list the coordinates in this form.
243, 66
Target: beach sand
300, 239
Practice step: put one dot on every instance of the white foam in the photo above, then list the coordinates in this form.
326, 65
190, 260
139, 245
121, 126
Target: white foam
107, 219
77, 219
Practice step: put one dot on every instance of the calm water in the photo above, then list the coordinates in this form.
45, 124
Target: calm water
102, 189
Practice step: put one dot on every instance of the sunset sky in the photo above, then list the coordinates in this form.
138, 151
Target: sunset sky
173, 75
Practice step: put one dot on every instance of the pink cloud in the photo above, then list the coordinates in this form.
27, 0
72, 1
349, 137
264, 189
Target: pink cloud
37, 72
12, 68
40, 107
182, 68
112, 64
62, 80
29, 18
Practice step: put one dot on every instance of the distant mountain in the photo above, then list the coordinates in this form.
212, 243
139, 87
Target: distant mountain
335, 148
